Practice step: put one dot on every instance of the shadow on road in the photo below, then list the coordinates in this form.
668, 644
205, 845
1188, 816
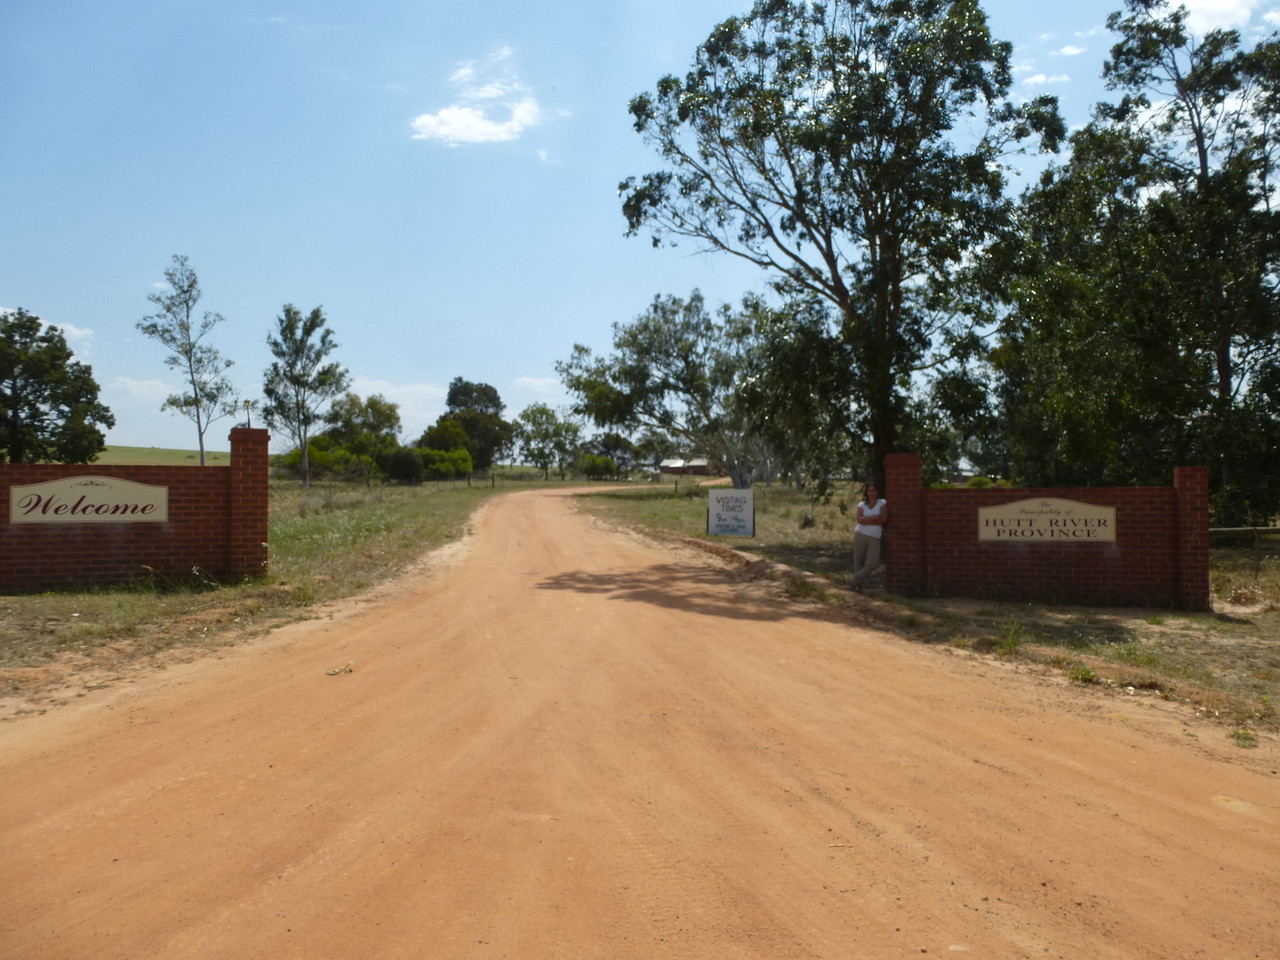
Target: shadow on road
688, 589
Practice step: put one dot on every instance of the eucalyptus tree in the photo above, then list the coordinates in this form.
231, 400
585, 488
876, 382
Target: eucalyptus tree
675, 369
208, 393
854, 151
546, 439
299, 381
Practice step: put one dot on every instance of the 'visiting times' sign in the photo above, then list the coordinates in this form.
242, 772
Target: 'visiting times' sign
88, 500
731, 513
1047, 519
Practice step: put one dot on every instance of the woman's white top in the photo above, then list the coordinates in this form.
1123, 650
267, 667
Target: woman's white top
875, 530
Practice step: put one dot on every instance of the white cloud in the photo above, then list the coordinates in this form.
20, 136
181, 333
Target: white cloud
1206, 15
1071, 51
420, 403
544, 385
491, 105
150, 392
74, 334
78, 338
1043, 79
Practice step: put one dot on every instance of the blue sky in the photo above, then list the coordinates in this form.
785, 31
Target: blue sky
440, 177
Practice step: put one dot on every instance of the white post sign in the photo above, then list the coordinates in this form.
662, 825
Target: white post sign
731, 513
88, 500
1050, 518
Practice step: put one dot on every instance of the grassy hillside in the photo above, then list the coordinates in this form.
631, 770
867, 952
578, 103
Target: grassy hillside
135, 456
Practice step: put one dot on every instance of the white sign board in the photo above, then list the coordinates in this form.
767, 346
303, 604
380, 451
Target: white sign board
88, 500
1049, 518
731, 513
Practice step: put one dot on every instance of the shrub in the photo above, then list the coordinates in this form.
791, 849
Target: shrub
405, 466
597, 467
445, 464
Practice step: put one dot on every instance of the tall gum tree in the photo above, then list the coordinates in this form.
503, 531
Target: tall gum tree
853, 151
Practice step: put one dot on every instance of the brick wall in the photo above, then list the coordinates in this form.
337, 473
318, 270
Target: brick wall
1160, 556
217, 522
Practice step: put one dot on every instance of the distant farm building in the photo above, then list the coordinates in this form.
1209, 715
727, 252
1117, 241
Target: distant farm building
697, 467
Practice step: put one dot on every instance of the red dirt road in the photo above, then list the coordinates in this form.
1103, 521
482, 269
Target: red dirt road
566, 742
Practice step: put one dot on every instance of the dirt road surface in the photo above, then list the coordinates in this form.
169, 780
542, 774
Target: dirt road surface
567, 742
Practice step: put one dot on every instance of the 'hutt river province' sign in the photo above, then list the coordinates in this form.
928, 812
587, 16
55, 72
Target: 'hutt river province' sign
1047, 519
88, 500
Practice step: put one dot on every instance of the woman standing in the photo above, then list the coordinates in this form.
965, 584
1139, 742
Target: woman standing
872, 515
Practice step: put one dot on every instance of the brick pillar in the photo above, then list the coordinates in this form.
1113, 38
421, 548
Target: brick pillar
1192, 486
249, 496
905, 529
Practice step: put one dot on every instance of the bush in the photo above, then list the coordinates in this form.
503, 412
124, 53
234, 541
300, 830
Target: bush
405, 466
445, 464
598, 468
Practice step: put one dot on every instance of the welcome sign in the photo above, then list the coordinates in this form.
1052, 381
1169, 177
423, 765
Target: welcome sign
88, 500
1047, 519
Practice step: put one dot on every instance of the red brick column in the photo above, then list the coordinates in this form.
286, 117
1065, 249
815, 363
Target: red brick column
905, 530
248, 502
1192, 486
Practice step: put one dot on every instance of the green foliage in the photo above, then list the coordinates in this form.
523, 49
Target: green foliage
597, 467
414, 464
615, 447
209, 393
299, 382
1244, 738
465, 395
1011, 641
1081, 673
472, 420
405, 466
445, 435
49, 409
445, 464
